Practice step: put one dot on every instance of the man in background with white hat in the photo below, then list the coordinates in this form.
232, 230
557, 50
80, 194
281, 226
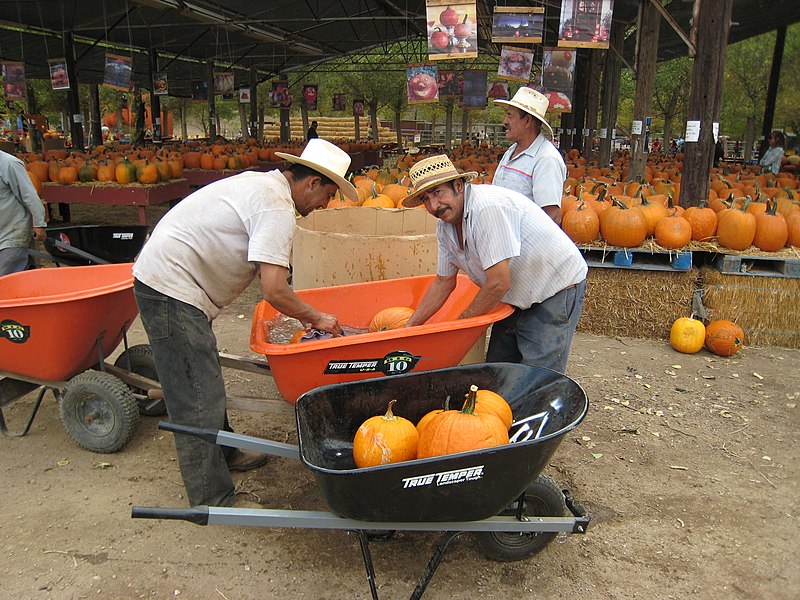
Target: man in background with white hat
200, 257
509, 247
532, 166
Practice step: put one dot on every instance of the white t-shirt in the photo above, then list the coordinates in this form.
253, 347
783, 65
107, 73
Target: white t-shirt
205, 251
537, 172
503, 224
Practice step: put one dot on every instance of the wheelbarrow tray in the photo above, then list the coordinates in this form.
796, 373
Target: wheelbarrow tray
441, 342
51, 319
111, 243
459, 487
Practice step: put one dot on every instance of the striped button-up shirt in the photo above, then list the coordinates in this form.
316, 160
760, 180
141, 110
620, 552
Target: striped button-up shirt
501, 224
538, 172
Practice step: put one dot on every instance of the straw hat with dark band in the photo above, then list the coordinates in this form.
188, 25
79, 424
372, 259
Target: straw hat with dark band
430, 172
532, 102
326, 159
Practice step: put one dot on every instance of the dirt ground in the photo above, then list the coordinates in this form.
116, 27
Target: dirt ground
688, 465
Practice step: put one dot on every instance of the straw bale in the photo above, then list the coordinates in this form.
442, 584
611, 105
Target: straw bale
636, 303
765, 307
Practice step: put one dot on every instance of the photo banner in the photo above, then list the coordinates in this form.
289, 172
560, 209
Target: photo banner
585, 23
117, 72
515, 64
339, 102
517, 25
200, 90
499, 91
451, 84
310, 97
558, 76
160, 83
452, 29
244, 95
59, 80
14, 84
423, 84
223, 83
358, 107
280, 97
475, 84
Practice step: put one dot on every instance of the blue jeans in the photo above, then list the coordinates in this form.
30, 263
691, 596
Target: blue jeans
187, 360
540, 335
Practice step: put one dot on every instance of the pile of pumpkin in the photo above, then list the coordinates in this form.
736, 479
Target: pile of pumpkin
386, 319
737, 216
482, 422
721, 337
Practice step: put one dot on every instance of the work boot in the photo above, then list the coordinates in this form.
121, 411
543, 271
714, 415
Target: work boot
243, 502
246, 460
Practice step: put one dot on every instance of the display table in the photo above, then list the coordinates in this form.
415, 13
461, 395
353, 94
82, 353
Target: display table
137, 195
197, 178
269, 165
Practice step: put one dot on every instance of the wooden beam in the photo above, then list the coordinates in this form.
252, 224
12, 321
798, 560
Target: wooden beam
674, 24
772, 89
646, 57
611, 76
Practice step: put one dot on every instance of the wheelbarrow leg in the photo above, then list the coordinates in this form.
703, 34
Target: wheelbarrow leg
24, 432
434, 563
367, 556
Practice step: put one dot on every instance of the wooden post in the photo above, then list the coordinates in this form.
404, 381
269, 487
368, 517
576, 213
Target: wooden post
73, 98
254, 103
464, 125
772, 89
713, 24
212, 109
33, 109
155, 100
96, 131
304, 118
565, 141
646, 55
611, 75
596, 60
448, 124
579, 98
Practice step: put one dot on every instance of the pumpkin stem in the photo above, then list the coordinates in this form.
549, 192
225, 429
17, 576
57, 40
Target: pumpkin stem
447, 403
389, 416
472, 397
601, 194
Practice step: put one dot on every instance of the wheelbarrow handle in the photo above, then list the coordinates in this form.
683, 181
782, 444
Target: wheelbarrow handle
207, 435
82, 253
197, 514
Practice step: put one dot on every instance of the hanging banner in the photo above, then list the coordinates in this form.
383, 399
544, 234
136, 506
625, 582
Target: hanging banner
423, 84
339, 102
280, 97
59, 80
451, 84
585, 23
358, 107
515, 64
475, 83
14, 86
452, 29
499, 91
160, 84
117, 72
200, 90
244, 95
310, 97
517, 24
223, 83
558, 76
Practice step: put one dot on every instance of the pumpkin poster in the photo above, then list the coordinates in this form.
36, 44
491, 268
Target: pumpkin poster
515, 64
280, 97
451, 84
339, 102
518, 24
160, 84
558, 76
452, 29
310, 97
423, 84
475, 89
14, 86
117, 72
59, 80
585, 23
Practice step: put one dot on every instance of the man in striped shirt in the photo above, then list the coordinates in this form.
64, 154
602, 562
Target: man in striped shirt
532, 166
514, 252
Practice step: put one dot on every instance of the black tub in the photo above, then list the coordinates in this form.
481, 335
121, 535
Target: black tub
459, 487
111, 243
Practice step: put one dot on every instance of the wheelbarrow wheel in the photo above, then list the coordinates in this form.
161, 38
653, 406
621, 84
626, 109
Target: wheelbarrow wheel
142, 363
99, 411
543, 498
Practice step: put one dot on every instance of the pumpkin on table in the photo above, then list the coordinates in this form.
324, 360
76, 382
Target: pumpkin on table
385, 439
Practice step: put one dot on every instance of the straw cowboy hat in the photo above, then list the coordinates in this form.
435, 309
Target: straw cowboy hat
532, 102
430, 172
328, 160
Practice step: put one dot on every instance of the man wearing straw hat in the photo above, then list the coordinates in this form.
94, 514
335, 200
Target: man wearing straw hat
509, 247
532, 166
200, 257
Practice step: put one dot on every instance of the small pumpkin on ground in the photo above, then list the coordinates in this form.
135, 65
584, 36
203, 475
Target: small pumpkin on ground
724, 338
385, 439
390, 318
687, 335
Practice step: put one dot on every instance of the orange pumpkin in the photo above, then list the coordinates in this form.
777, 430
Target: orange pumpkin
385, 439
771, 229
673, 232
653, 212
390, 318
621, 226
736, 228
703, 221
207, 161
724, 338
36, 183
147, 173
125, 171
67, 175
581, 224
455, 431
488, 402
687, 335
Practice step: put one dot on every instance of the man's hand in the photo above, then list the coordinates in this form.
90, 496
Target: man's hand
328, 323
39, 234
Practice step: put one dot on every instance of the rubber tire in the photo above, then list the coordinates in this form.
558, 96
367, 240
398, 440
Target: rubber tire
99, 411
543, 498
142, 363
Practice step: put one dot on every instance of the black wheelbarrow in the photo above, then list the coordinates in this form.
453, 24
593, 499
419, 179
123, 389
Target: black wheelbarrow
498, 494
81, 245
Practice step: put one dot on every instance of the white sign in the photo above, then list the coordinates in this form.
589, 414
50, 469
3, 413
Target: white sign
614, 134
417, 138
603, 133
636, 128
715, 129
586, 132
244, 95
77, 118
692, 131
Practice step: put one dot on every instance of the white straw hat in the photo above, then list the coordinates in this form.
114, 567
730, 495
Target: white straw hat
430, 172
328, 160
532, 102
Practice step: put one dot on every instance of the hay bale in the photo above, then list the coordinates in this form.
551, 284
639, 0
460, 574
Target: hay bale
636, 303
765, 307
